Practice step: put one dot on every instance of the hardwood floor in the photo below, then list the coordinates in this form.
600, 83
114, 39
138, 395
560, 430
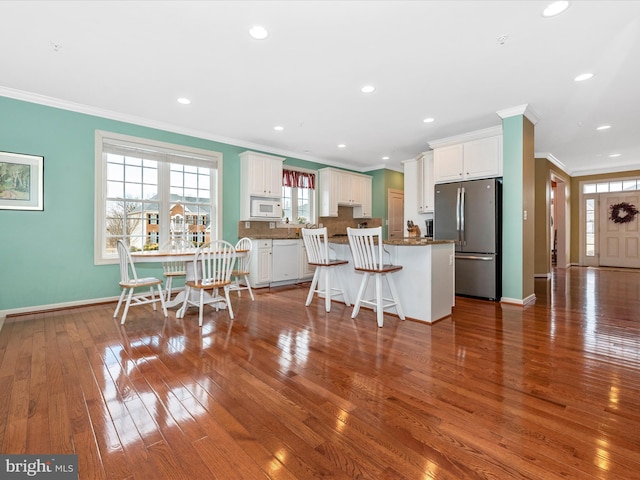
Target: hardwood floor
548, 391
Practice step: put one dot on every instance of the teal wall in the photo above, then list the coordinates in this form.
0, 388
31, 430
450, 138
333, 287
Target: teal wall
513, 200
47, 256
382, 181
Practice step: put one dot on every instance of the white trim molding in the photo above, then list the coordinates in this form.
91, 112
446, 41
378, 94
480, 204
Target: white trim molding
466, 137
524, 109
521, 302
55, 306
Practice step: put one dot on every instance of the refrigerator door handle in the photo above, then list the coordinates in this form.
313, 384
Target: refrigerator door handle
458, 215
462, 200
473, 257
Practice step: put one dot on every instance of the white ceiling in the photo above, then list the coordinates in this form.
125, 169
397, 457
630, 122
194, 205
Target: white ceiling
442, 59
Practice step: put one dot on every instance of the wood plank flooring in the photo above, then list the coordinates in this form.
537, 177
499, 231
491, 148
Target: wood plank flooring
546, 391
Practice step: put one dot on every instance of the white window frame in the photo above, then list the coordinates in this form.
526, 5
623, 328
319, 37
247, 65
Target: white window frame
206, 157
312, 198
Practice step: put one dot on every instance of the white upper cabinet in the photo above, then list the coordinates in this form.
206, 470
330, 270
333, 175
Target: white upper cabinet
424, 179
483, 158
339, 187
260, 176
467, 157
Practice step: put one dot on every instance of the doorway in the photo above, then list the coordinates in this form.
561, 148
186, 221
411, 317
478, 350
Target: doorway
395, 209
559, 256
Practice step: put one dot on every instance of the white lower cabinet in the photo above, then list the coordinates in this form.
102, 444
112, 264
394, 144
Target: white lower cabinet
279, 262
260, 275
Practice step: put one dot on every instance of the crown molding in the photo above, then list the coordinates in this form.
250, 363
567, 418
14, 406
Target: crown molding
466, 137
554, 160
524, 109
145, 122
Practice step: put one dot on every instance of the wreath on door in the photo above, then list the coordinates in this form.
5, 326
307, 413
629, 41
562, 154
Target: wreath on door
623, 212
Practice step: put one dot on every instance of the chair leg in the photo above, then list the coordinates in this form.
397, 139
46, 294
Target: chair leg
115, 313
312, 288
201, 307
162, 303
226, 295
327, 294
246, 279
341, 284
168, 288
394, 294
379, 301
153, 297
363, 286
126, 306
236, 282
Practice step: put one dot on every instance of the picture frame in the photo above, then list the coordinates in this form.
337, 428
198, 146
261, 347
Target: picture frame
21, 181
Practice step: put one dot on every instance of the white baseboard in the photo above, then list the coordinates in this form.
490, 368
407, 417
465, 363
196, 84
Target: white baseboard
55, 306
542, 275
517, 301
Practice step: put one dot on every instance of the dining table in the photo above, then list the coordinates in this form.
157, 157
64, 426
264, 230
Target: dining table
188, 256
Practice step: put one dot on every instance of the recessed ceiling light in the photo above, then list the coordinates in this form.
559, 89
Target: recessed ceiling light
583, 77
604, 127
258, 32
342, 145
184, 101
429, 120
367, 89
555, 8
385, 158
278, 128
613, 155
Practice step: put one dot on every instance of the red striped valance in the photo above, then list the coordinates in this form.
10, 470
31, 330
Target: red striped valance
293, 178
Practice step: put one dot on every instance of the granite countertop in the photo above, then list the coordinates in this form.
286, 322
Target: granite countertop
407, 241
275, 237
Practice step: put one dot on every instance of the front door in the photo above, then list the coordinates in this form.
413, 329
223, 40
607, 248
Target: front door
619, 241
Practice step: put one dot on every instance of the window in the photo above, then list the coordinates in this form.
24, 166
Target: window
298, 196
625, 185
590, 229
145, 189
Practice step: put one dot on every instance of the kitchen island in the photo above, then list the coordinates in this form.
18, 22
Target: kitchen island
426, 283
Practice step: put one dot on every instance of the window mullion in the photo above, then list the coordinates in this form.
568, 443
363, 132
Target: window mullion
164, 197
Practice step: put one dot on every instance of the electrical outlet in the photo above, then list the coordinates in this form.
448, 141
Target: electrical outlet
272, 224
247, 224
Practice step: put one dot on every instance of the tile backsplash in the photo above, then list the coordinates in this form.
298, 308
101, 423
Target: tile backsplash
335, 225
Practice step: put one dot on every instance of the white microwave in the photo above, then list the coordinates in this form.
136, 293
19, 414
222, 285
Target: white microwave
266, 208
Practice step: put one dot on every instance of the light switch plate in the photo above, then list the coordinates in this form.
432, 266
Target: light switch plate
247, 224
272, 224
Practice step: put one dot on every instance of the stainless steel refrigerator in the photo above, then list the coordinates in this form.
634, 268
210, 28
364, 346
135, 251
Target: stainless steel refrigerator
470, 213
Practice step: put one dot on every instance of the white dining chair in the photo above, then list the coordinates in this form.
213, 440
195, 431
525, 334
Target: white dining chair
241, 270
213, 264
129, 282
172, 268
317, 246
367, 250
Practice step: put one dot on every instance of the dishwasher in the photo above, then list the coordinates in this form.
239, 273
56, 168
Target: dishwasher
284, 260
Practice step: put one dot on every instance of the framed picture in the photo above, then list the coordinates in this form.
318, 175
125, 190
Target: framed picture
21, 181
